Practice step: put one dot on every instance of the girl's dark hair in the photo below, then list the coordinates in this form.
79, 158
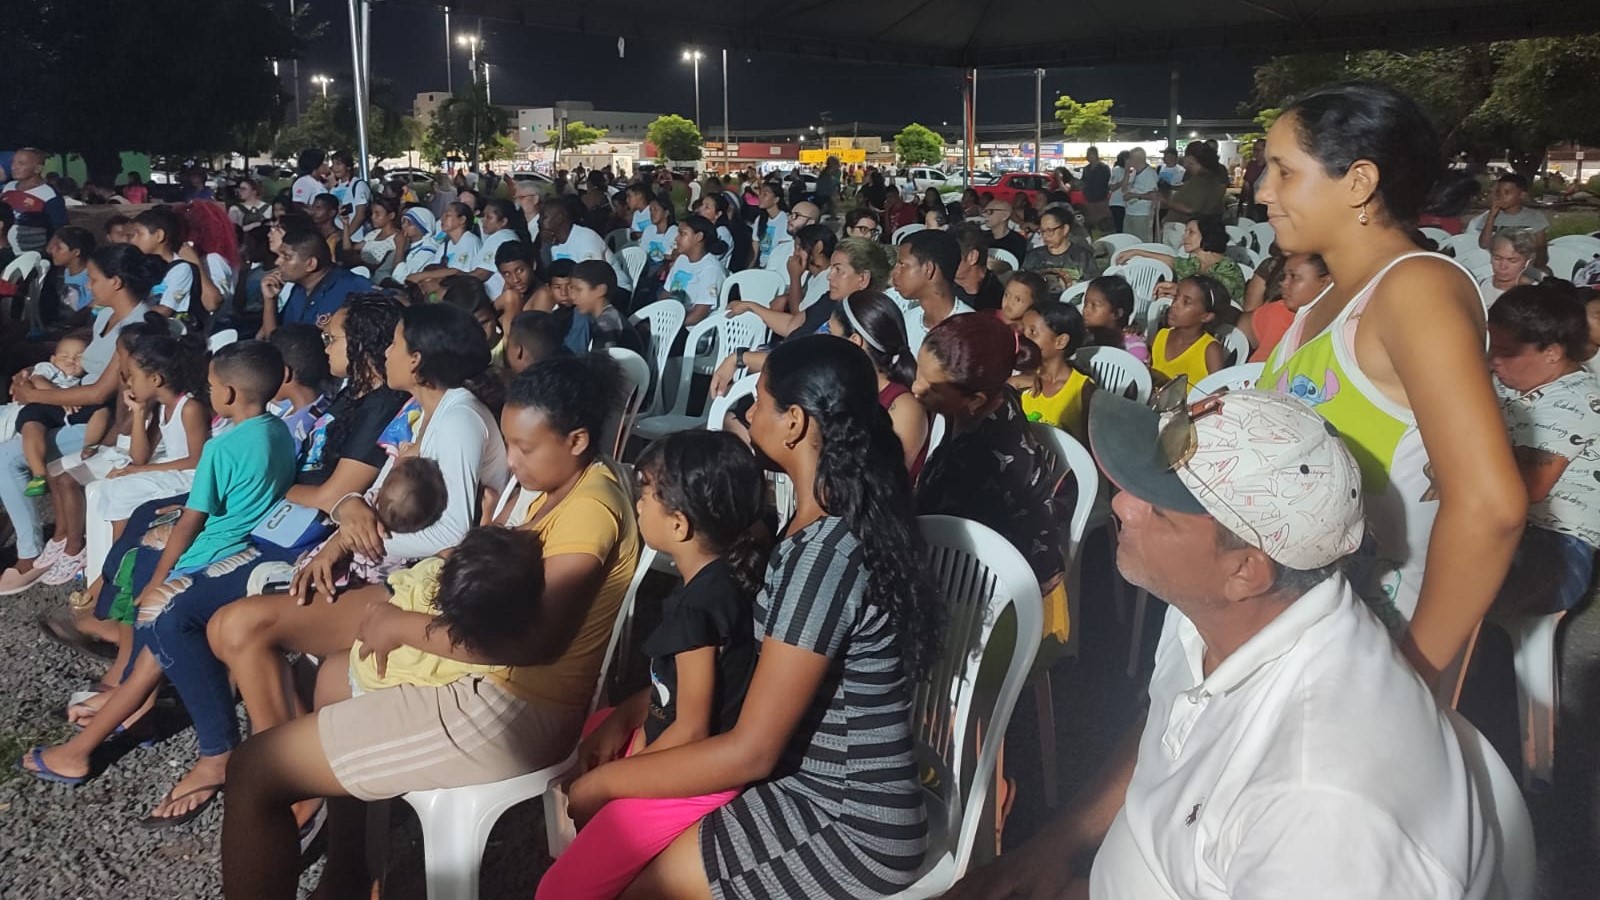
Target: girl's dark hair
464, 211
712, 479
882, 324
1063, 318
464, 292
453, 349
724, 208
1343, 123
1119, 293
514, 251
573, 392
490, 587
309, 161
664, 200
515, 220
1035, 284
815, 234
369, 323
74, 238
180, 360
979, 355
1213, 234
389, 204
1543, 314
1218, 300
139, 271
861, 478
165, 220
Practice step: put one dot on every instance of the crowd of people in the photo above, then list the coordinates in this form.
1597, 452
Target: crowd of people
349, 426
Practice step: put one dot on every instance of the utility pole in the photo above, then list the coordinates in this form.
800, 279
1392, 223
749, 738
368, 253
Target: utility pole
449, 87
1038, 116
727, 145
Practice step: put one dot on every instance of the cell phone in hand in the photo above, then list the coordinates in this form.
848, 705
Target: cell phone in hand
166, 518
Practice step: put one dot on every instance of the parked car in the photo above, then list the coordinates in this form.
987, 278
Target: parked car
923, 177
419, 180
1018, 187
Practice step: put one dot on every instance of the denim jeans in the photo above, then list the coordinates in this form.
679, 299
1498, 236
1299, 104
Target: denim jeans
176, 635
138, 524
1550, 572
14, 480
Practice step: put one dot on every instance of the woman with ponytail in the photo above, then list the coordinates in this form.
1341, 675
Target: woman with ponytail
700, 504
846, 630
871, 321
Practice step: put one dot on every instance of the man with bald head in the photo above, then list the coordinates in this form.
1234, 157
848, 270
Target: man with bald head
39, 209
997, 221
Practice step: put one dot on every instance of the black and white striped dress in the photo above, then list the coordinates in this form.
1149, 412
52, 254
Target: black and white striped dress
842, 815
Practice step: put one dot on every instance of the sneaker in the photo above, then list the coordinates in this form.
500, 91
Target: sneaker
66, 568
52, 552
14, 582
269, 577
37, 487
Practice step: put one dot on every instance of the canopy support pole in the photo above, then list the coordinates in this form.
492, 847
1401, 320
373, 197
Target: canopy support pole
969, 108
359, 11
1038, 117
1172, 108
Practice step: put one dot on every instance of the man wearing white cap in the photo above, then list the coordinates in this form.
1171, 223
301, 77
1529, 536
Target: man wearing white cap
1288, 750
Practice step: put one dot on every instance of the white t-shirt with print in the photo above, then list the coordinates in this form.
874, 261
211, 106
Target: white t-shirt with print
726, 236
700, 281
640, 221
222, 275
917, 327
352, 194
1525, 219
1563, 418
658, 245
306, 187
1143, 183
777, 243
462, 254
486, 254
175, 288
582, 244
55, 376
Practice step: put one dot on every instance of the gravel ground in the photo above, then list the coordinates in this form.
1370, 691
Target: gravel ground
60, 842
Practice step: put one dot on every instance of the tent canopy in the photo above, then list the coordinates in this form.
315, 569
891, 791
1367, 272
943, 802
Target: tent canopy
1019, 33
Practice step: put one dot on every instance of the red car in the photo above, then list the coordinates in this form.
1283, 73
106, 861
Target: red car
1019, 187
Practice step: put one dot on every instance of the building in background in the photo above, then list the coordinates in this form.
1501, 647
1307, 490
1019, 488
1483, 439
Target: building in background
537, 125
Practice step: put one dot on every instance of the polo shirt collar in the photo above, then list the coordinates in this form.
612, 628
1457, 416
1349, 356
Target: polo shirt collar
1269, 644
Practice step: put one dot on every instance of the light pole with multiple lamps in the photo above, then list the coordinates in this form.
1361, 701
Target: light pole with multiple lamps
695, 56
324, 81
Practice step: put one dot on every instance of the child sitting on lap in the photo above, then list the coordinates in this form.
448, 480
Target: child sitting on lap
34, 420
413, 497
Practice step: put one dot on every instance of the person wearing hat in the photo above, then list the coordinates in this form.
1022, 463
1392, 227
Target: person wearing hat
1289, 749
696, 275
422, 247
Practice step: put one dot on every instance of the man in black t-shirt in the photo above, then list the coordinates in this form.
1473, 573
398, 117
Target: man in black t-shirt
1096, 185
997, 220
975, 284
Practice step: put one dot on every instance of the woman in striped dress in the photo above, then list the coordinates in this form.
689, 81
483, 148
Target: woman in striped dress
833, 807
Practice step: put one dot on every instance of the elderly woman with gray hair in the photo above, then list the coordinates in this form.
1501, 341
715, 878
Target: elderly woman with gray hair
1511, 259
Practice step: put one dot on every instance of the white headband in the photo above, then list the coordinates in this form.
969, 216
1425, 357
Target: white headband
856, 324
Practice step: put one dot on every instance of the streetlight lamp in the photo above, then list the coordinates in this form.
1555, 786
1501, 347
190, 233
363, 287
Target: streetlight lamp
471, 42
695, 56
324, 81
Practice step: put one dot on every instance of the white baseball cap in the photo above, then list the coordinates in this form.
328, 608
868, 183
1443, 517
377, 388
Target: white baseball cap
1265, 466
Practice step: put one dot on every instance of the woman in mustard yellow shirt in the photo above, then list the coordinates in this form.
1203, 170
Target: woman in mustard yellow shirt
1185, 346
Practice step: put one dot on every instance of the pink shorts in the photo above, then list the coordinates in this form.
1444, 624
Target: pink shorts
621, 839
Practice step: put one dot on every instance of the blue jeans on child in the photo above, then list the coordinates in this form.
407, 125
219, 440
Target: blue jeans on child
1549, 573
14, 479
176, 636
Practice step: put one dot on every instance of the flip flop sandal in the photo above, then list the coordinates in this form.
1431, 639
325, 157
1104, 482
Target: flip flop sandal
313, 827
158, 822
44, 772
65, 634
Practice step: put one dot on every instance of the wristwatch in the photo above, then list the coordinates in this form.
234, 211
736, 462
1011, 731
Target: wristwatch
738, 357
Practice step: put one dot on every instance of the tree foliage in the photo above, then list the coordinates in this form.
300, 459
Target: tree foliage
576, 134
97, 77
1085, 121
675, 138
918, 145
465, 121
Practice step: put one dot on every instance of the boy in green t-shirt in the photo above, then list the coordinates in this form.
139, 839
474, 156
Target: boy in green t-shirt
242, 474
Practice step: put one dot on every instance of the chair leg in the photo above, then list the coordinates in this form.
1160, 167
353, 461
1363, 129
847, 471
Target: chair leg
453, 838
1044, 709
558, 828
1135, 645
1538, 689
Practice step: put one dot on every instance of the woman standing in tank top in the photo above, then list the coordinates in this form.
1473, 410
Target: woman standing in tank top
1393, 356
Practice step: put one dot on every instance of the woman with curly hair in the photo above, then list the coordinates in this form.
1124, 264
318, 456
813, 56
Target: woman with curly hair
209, 231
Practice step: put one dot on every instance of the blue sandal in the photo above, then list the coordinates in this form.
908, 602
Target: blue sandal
44, 773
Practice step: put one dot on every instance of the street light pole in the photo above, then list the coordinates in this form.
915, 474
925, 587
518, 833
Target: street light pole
727, 145
694, 57
488, 94
449, 88
296, 69
1038, 116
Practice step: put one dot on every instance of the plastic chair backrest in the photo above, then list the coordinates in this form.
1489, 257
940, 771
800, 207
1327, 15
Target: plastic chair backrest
758, 286
1246, 223
744, 387
729, 334
1238, 235
222, 339
1262, 236
636, 384
1456, 244
1152, 317
1504, 808
363, 271
1074, 294
980, 575
1143, 275
21, 268
666, 320
1586, 244
632, 260
1476, 260
1235, 344
901, 232
996, 254
936, 432
1115, 243
1248, 272
618, 238
1242, 377
1116, 371
1437, 235
1076, 459
1155, 247
1566, 260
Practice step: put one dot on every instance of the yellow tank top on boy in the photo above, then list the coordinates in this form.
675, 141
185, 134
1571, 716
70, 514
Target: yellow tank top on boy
1382, 435
1191, 362
1063, 409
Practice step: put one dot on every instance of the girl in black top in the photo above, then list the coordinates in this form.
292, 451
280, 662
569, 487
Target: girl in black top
699, 503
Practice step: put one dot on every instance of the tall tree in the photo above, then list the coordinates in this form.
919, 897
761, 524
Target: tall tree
467, 121
677, 139
1085, 121
576, 134
918, 145
96, 77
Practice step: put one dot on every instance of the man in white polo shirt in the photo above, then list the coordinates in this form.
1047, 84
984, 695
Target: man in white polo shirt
1288, 750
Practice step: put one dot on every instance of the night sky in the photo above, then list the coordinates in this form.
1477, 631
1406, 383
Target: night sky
536, 66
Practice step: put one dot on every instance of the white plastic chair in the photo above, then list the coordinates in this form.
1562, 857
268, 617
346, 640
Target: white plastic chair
1241, 377
1074, 294
980, 575
618, 238
1438, 235
363, 271
1472, 257
1586, 244
222, 339
456, 821
1116, 371
1248, 272
1143, 275
631, 261
936, 432
1505, 811
1075, 458
1565, 260
904, 230
636, 376
1150, 247
1235, 344
21, 268
1238, 235
999, 255
741, 331
718, 413
1153, 316
666, 320
28, 271
1262, 236
1456, 244
1538, 668
1115, 243
759, 286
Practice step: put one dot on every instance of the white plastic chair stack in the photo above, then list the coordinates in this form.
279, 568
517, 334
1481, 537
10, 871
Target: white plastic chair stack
636, 387
980, 575
1507, 814
997, 255
742, 331
757, 286
1538, 668
1235, 344
666, 320
905, 231
1116, 371
1233, 378
456, 821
